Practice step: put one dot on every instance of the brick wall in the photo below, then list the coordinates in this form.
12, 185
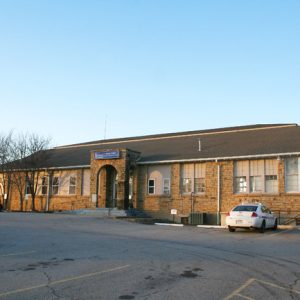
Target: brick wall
208, 201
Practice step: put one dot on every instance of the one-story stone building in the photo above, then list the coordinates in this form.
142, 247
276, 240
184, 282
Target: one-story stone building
206, 171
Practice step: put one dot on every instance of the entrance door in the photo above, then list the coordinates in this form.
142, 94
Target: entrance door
111, 187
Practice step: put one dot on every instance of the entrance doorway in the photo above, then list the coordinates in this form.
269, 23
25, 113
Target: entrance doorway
108, 186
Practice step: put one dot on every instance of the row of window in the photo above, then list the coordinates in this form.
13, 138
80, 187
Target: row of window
249, 176
192, 179
256, 176
55, 185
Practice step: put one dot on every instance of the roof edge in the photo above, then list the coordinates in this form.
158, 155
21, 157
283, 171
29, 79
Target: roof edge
278, 155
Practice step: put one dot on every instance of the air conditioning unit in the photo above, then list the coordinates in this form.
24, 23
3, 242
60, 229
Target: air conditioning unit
196, 218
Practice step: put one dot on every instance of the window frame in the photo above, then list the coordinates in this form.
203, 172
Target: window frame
152, 186
44, 185
250, 178
183, 184
72, 185
202, 185
55, 185
292, 174
167, 191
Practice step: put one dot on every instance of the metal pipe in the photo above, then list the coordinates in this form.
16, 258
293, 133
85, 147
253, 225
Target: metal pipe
48, 193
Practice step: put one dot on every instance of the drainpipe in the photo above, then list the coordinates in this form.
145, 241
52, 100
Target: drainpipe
48, 193
219, 196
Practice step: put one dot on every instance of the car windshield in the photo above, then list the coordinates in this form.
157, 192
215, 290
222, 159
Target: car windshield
245, 208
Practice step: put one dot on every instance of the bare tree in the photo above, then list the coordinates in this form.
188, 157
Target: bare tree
29, 157
5, 158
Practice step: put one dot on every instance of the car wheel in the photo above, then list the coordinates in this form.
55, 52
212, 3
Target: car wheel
275, 225
231, 229
263, 227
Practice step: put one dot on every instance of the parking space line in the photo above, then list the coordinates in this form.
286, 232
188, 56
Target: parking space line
68, 279
279, 287
16, 254
237, 291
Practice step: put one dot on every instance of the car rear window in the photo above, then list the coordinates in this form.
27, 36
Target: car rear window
245, 208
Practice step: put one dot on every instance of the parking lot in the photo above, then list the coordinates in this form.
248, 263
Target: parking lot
56, 256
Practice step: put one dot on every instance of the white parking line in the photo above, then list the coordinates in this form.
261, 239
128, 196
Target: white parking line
238, 291
16, 254
68, 279
279, 287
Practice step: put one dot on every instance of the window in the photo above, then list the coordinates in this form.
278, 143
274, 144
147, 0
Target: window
255, 176
27, 189
241, 171
271, 180
240, 184
292, 168
166, 186
187, 176
151, 186
199, 178
159, 182
44, 185
193, 178
72, 185
55, 185
245, 208
199, 185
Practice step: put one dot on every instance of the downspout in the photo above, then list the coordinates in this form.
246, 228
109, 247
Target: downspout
219, 196
48, 193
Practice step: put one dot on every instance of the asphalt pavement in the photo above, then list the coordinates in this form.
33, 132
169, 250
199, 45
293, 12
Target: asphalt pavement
54, 256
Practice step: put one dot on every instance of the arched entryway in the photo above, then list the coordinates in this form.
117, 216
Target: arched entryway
107, 187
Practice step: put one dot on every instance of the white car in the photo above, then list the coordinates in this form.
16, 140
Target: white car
252, 216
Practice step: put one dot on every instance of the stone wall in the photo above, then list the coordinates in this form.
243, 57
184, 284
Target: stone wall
207, 202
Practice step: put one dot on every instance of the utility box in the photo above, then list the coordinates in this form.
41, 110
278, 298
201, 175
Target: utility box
196, 218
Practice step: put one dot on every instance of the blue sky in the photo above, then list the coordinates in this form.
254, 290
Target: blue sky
146, 66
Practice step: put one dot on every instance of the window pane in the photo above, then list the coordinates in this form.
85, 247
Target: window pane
72, 185
241, 168
166, 186
271, 184
72, 189
199, 185
151, 186
271, 167
292, 166
256, 167
72, 180
44, 190
292, 183
240, 184
186, 186
199, 170
55, 185
292, 174
245, 208
256, 184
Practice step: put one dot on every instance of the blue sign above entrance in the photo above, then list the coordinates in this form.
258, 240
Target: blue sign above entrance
108, 154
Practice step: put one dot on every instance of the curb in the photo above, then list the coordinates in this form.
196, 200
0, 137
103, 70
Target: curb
286, 227
169, 224
212, 226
